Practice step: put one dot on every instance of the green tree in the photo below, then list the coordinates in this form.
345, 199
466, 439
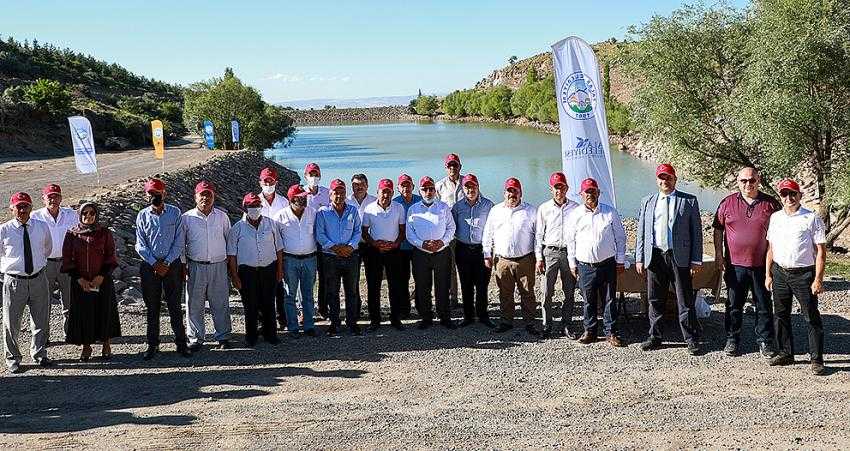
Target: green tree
48, 96
426, 105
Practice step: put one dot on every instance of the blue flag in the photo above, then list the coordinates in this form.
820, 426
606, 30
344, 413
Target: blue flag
209, 134
234, 129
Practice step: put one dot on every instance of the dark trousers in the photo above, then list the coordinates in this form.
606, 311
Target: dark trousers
796, 283
258, 295
661, 272
405, 264
321, 295
153, 289
599, 281
739, 280
280, 303
377, 264
432, 270
341, 269
474, 278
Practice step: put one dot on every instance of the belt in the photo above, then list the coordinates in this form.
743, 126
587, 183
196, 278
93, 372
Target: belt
58, 259
605, 262
795, 270
555, 248
299, 257
516, 259
200, 262
472, 245
24, 277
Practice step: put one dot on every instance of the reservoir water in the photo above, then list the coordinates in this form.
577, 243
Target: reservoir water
491, 152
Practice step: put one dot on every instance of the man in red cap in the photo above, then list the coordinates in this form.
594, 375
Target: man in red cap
596, 246
159, 243
509, 249
205, 230
58, 219
740, 232
551, 253
470, 216
450, 191
255, 264
360, 198
23, 256
406, 198
273, 203
430, 229
338, 231
669, 248
317, 197
383, 232
796, 257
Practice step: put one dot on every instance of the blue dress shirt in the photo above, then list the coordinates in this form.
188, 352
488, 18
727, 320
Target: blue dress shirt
470, 219
158, 237
405, 245
333, 229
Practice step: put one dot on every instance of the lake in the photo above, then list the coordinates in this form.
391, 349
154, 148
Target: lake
491, 152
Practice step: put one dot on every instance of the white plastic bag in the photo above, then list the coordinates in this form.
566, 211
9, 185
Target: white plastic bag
703, 309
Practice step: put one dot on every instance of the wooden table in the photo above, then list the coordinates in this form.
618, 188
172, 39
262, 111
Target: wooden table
706, 277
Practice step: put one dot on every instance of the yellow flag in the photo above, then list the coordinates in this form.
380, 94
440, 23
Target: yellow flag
158, 140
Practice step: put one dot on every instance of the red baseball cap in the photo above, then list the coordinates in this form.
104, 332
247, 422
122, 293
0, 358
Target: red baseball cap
452, 157
51, 189
385, 184
788, 184
312, 167
665, 169
204, 185
589, 183
251, 199
426, 181
405, 178
337, 183
470, 178
296, 191
556, 178
20, 198
154, 185
268, 173
513, 182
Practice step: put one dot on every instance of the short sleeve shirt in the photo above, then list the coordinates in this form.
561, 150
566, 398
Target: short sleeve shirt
793, 237
745, 226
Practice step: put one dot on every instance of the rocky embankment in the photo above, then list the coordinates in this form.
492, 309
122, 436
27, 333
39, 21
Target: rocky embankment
343, 115
233, 174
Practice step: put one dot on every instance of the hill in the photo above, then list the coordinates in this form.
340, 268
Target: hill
365, 102
40, 85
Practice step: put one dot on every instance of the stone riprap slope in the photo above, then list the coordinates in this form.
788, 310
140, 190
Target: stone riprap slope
343, 115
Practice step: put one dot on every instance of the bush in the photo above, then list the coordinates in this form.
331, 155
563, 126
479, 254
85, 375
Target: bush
426, 105
48, 96
619, 117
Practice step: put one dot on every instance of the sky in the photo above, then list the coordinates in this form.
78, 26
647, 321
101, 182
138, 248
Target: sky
291, 50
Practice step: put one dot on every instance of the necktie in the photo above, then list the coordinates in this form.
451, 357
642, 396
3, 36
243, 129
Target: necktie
669, 224
27, 252
664, 241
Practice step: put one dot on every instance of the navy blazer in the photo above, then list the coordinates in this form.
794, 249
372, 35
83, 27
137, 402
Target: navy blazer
687, 230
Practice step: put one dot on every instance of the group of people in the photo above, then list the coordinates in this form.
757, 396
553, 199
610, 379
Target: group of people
282, 244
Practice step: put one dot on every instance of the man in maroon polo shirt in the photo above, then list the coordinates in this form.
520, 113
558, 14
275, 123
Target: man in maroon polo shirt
740, 246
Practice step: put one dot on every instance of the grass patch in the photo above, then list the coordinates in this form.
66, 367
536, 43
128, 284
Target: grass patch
838, 267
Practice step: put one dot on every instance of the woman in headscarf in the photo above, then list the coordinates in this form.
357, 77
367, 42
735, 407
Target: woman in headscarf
88, 255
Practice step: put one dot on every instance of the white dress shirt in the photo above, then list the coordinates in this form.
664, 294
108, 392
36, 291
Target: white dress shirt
299, 235
66, 219
12, 240
661, 229
793, 237
322, 198
205, 236
383, 223
551, 229
450, 192
510, 232
594, 236
430, 222
255, 247
360, 206
278, 203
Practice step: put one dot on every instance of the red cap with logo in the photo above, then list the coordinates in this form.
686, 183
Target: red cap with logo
426, 181
268, 173
790, 185
312, 167
665, 169
589, 183
204, 185
51, 189
452, 158
296, 191
404, 178
20, 198
337, 183
251, 199
154, 185
514, 183
556, 178
385, 184
470, 178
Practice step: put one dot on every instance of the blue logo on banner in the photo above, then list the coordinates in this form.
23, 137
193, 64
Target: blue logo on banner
234, 130
577, 96
585, 148
209, 134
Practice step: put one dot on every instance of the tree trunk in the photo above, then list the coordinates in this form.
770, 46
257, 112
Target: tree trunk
838, 227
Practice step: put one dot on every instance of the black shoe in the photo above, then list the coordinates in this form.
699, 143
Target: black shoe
731, 348
332, 331
423, 325
44, 361
818, 369
15, 368
466, 322
546, 333
448, 324
766, 350
184, 352
225, 344
355, 330
150, 353
487, 323
650, 344
782, 359
502, 328
693, 347
373, 328
571, 335
195, 347
532, 330
310, 332
323, 313
397, 326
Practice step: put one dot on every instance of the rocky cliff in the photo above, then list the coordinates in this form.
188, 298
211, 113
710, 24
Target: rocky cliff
343, 115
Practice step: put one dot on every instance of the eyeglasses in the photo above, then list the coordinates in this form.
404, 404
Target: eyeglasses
785, 193
747, 181
88, 213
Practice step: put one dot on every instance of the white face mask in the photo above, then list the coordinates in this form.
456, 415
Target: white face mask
268, 189
254, 213
427, 200
313, 180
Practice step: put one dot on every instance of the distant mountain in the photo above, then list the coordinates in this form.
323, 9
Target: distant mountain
366, 102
